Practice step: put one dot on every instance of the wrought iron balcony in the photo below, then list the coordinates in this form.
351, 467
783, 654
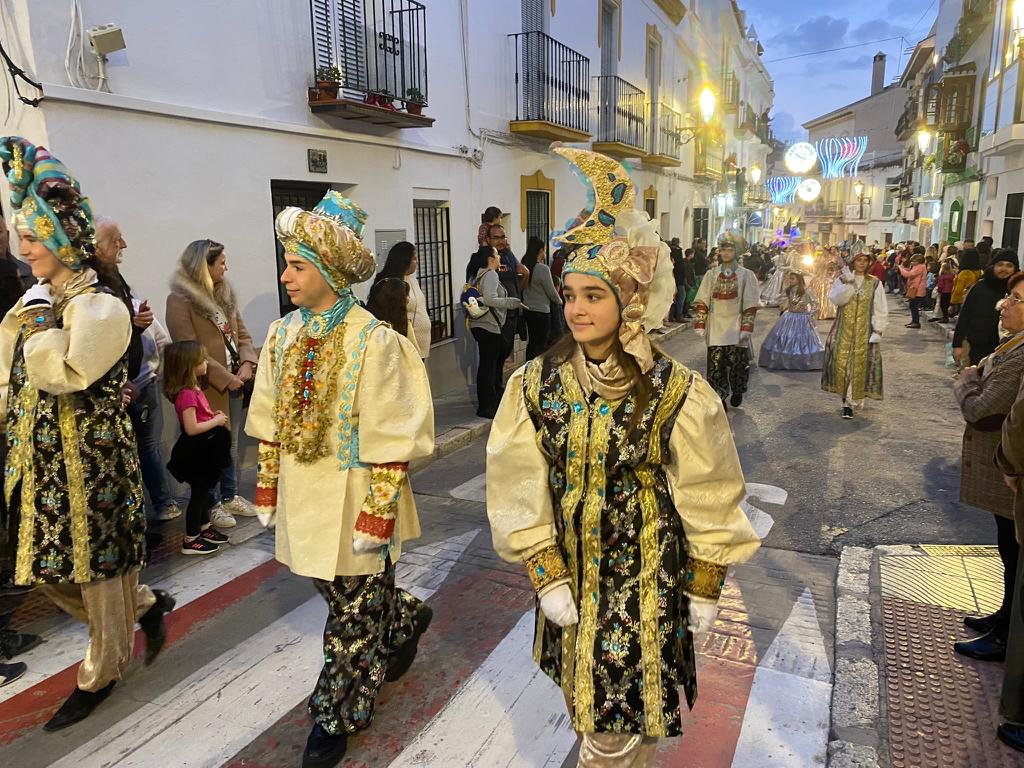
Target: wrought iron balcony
907, 123
666, 141
824, 209
368, 54
621, 118
552, 89
708, 161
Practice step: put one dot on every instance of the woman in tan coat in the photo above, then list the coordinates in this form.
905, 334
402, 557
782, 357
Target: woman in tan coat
986, 393
202, 307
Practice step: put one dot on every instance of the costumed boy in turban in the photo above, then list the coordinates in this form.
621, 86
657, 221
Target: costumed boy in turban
341, 406
72, 482
726, 305
613, 478
853, 351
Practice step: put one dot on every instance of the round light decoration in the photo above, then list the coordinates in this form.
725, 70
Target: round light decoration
801, 157
809, 190
807, 260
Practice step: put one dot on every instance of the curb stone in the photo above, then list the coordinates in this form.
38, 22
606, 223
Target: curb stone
853, 737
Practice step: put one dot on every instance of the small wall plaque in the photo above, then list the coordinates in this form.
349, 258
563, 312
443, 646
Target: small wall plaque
317, 159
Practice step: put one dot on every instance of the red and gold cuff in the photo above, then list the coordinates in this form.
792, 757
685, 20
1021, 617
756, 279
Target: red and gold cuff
376, 521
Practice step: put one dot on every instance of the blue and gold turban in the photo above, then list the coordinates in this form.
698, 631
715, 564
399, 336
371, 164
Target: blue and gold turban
48, 201
620, 245
330, 238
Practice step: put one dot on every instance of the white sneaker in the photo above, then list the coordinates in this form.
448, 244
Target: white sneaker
240, 506
169, 512
221, 518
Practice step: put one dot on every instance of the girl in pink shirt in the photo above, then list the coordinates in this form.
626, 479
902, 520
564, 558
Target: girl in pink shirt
204, 447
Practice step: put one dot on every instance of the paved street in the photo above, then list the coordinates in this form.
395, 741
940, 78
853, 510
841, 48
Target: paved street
245, 647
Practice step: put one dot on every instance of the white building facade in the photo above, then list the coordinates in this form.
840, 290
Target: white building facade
209, 121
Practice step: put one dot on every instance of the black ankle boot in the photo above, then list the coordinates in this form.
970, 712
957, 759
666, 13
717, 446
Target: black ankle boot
322, 749
1012, 735
402, 659
984, 624
736, 400
79, 705
152, 624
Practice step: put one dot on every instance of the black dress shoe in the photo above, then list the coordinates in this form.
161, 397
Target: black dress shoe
152, 623
322, 749
403, 658
982, 624
13, 643
990, 647
11, 672
78, 706
736, 400
847, 412
1011, 735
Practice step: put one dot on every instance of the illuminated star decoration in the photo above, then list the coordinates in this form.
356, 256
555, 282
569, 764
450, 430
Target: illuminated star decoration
841, 156
783, 188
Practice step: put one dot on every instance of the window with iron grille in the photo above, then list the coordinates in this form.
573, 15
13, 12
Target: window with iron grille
700, 223
284, 194
537, 208
434, 249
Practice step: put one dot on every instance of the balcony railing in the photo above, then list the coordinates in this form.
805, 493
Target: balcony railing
824, 209
551, 88
665, 141
379, 46
907, 122
621, 113
708, 161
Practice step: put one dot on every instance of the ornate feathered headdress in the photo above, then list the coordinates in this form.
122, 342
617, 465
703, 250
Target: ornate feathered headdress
620, 245
330, 238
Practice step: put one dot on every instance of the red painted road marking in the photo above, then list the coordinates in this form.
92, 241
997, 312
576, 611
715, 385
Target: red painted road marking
33, 707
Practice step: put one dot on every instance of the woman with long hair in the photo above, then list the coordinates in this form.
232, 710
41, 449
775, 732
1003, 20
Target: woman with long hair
401, 264
538, 298
612, 477
73, 484
389, 301
486, 329
202, 307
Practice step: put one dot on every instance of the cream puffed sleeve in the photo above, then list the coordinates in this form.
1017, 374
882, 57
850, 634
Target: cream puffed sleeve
10, 327
259, 424
519, 504
95, 335
707, 486
396, 412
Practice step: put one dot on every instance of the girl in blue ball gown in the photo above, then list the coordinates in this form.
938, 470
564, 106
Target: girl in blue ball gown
793, 344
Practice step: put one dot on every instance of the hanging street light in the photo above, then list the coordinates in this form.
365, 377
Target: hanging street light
707, 104
858, 189
924, 139
755, 174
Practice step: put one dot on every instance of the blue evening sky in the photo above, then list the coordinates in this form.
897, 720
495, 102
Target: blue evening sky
811, 86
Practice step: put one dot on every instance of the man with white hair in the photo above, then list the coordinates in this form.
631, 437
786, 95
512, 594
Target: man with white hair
144, 357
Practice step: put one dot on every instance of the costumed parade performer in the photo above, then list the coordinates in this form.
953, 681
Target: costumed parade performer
774, 290
853, 351
613, 477
341, 406
825, 271
726, 305
793, 343
72, 480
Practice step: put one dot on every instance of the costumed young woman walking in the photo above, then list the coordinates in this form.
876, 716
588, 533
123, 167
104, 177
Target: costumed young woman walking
793, 344
72, 479
612, 476
853, 352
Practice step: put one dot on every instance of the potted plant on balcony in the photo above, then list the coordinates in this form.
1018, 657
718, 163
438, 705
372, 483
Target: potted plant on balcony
414, 101
328, 80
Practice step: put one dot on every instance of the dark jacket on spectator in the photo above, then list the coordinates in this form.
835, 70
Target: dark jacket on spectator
978, 321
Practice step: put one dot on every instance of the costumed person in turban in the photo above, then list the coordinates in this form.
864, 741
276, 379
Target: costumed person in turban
726, 305
613, 478
853, 351
72, 480
341, 406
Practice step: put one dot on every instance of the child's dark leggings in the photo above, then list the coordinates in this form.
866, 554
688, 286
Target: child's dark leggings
200, 502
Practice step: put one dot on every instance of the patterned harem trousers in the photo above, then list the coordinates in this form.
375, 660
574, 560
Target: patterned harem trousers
729, 369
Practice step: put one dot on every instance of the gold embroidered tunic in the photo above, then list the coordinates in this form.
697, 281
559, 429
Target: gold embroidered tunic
853, 364
375, 409
71, 472
633, 512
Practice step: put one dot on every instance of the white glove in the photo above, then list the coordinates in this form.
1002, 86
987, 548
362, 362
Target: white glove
744, 337
702, 614
701, 332
559, 607
37, 294
875, 338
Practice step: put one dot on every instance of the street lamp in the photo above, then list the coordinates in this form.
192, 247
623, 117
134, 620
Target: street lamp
707, 104
755, 174
924, 138
858, 190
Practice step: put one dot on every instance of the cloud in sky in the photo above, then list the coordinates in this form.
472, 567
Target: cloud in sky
811, 86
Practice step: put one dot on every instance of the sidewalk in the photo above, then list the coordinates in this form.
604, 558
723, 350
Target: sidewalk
902, 697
